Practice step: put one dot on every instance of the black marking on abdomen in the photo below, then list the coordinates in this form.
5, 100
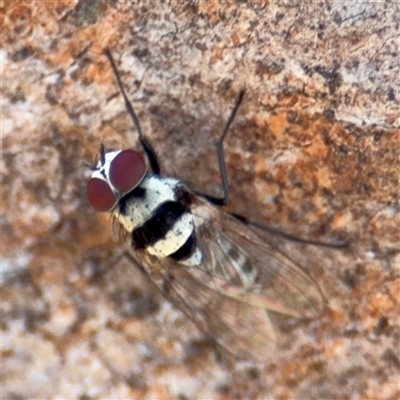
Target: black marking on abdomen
158, 225
186, 250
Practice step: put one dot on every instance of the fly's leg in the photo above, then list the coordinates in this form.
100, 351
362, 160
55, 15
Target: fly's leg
220, 201
340, 243
148, 149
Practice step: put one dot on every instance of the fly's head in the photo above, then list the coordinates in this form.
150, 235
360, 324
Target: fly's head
116, 174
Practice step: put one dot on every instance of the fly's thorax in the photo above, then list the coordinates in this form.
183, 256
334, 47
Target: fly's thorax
137, 207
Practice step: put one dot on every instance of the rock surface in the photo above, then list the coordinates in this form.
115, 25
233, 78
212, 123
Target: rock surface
312, 152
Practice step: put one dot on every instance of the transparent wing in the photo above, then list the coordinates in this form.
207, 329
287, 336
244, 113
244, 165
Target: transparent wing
240, 328
246, 267
241, 277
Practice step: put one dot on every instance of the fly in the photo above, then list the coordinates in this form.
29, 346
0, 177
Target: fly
208, 263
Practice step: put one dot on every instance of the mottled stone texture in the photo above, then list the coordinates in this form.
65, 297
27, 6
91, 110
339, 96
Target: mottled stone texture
313, 152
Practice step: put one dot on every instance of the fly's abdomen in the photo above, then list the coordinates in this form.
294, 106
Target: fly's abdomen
175, 237
159, 218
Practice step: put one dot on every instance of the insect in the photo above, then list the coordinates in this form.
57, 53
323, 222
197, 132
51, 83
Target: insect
208, 263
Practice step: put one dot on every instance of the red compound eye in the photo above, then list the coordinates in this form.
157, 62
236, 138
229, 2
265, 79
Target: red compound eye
127, 170
100, 195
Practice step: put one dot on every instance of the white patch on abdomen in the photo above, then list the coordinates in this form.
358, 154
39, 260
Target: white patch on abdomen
194, 259
175, 238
